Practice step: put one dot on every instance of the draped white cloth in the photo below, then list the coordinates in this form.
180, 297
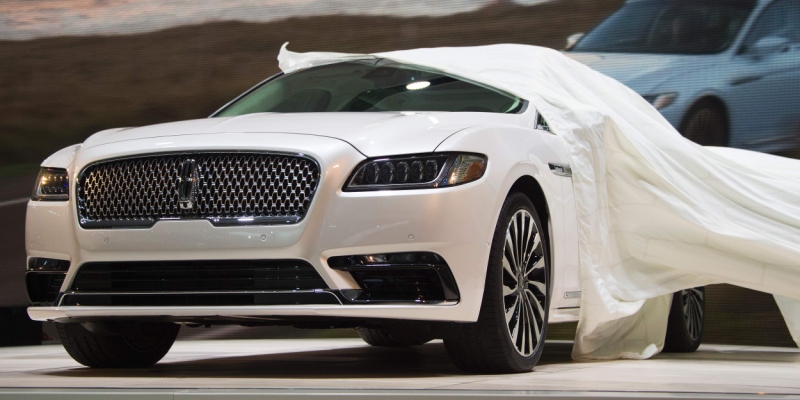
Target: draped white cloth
656, 212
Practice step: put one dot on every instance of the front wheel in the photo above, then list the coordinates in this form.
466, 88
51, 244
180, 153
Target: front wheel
127, 344
510, 332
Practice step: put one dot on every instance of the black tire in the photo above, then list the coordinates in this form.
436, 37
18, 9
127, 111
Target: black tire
489, 345
706, 124
686, 320
380, 337
117, 345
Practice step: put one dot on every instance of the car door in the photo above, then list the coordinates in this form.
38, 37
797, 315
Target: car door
764, 87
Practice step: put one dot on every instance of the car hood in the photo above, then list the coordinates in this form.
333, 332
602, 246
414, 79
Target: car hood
643, 73
373, 134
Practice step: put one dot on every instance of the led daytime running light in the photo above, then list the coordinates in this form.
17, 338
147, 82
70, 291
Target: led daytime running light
417, 171
51, 185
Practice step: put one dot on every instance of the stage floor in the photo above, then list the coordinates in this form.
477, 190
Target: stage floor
347, 367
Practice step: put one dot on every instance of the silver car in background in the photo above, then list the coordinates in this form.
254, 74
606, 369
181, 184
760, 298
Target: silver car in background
723, 72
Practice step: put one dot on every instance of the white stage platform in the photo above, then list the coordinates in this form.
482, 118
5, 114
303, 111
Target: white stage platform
346, 368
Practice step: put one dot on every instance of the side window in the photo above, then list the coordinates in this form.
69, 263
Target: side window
779, 22
541, 123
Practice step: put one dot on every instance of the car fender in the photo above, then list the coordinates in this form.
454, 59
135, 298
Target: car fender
691, 88
515, 152
62, 158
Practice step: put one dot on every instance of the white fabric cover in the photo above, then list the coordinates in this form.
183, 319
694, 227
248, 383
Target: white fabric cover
656, 212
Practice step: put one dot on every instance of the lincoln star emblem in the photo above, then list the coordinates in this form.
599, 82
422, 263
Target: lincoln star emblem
187, 184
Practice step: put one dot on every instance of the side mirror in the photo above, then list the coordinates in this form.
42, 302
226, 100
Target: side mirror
769, 45
573, 39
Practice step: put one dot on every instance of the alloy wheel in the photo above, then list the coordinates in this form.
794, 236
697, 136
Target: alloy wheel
524, 283
692, 300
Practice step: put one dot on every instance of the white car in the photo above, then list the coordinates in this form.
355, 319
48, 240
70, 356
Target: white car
724, 73
405, 202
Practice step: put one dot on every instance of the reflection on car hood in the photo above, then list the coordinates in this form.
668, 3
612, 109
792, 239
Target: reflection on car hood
641, 72
372, 133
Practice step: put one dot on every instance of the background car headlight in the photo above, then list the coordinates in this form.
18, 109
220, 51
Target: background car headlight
417, 171
660, 101
51, 185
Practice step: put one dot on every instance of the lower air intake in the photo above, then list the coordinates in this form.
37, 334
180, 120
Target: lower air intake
420, 277
197, 283
44, 287
420, 285
197, 276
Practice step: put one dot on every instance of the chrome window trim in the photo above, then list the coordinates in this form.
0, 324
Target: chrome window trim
247, 92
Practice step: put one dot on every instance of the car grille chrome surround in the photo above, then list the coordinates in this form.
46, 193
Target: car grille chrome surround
224, 188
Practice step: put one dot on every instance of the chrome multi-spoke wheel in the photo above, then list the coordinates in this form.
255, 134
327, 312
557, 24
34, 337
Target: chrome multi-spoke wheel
524, 283
685, 325
511, 328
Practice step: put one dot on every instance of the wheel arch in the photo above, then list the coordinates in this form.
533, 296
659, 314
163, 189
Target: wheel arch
534, 191
531, 188
708, 100
488, 345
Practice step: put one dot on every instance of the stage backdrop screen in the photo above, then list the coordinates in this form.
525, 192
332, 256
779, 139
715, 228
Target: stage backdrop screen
724, 73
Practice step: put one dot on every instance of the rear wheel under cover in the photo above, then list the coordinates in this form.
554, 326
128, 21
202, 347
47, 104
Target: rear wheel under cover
127, 344
686, 319
511, 328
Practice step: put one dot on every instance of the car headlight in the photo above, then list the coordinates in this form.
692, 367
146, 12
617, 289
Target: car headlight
417, 171
51, 185
660, 101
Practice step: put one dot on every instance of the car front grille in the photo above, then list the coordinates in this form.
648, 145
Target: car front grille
224, 188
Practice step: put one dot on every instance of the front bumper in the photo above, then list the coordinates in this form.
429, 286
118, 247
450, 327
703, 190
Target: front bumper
454, 223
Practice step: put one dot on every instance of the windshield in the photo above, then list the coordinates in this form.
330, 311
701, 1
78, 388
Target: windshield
669, 27
371, 85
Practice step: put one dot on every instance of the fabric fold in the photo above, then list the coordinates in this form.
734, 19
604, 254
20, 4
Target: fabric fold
656, 212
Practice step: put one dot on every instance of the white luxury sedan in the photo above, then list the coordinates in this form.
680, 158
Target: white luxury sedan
399, 200
724, 73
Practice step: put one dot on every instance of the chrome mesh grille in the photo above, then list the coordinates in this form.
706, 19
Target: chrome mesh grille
230, 188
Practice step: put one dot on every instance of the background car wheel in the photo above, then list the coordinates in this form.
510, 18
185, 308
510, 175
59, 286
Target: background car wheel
511, 328
686, 317
117, 345
706, 124
386, 338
